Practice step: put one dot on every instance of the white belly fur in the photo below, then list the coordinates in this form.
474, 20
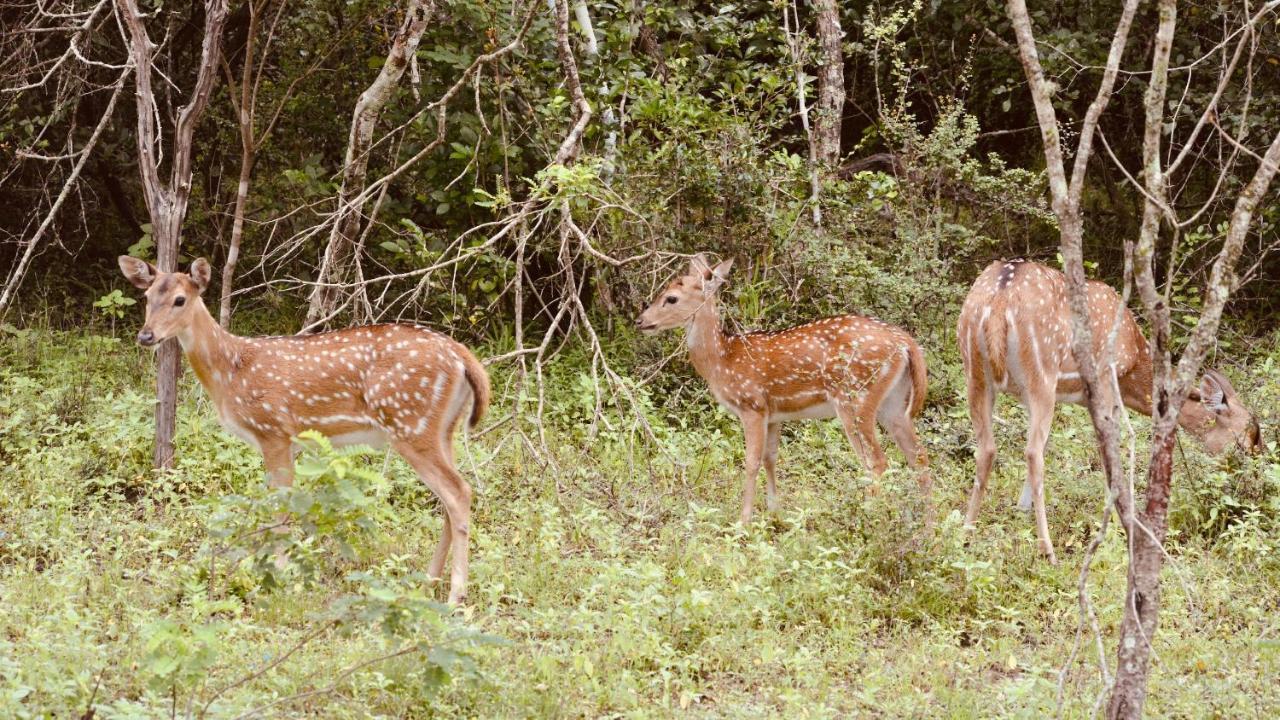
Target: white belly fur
373, 437
819, 411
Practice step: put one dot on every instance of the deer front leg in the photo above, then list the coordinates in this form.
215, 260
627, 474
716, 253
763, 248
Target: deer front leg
278, 455
772, 439
754, 431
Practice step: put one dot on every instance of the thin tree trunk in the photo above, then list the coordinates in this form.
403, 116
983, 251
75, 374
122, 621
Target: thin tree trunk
569, 147
1142, 594
830, 107
167, 202
244, 109
364, 119
789, 13
1146, 529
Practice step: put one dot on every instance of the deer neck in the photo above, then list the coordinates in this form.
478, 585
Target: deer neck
213, 352
707, 342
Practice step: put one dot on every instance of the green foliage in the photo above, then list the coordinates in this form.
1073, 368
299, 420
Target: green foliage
609, 561
113, 304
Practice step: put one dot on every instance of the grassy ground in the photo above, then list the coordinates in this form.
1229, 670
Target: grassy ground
613, 569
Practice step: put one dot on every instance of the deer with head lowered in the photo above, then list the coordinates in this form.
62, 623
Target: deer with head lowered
1015, 336
401, 384
858, 369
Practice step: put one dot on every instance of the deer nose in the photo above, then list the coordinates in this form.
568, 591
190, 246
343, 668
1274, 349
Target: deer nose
146, 338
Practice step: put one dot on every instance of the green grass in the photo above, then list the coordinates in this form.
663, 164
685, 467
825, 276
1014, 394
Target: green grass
614, 570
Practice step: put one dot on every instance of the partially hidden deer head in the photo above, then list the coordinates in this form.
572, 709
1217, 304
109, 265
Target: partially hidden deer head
1216, 416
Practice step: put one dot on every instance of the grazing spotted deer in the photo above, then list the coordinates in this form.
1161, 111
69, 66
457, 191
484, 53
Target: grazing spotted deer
364, 385
1015, 336
855, 368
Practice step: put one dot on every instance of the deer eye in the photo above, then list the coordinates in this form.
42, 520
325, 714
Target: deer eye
179, 301
671, 299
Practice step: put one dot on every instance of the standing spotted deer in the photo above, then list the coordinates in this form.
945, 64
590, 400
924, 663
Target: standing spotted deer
1015, 336
365, 385
855, 368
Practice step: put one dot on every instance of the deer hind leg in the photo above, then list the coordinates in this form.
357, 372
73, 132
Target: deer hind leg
981, 400
860, 428
903, 432
894, 416
431, 461
772, 438
754, 431
1040, 404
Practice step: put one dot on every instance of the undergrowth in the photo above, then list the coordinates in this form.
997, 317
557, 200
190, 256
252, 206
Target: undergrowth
608, 576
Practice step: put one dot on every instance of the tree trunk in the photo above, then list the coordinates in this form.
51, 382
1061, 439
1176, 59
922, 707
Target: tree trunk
830, 109
1146, 557
364, 119
167, 202
244, 110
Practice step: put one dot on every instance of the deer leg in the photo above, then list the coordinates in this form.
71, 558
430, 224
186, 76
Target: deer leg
1025, 503
981, 400
1040, 404
278, 456
903, 432
754, 432
436, 569
860, 428
772, 439
435, 470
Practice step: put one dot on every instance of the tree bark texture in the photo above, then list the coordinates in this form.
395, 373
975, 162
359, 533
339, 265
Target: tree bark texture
1142, 594
167, 201
831, 95
364, 119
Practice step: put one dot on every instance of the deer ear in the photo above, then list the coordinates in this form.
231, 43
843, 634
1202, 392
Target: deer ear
201, 273
139, 272
716, 276
1212, 393
698, 266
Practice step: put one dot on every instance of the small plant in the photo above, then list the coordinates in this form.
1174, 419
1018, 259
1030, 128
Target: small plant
113, 304
287, 540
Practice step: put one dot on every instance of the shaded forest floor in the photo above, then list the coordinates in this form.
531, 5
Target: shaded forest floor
613, 569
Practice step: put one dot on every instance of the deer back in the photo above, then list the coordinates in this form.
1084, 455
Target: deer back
790, 371
394, 380
1015, 326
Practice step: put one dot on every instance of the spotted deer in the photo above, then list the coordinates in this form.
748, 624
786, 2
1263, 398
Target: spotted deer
1015, 336
365, 385
855, 368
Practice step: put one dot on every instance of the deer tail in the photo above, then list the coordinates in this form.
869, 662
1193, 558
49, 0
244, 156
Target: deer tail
478, 378
919, 378
995, 329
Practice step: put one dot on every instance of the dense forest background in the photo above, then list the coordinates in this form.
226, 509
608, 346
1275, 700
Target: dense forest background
525, 176
696, 143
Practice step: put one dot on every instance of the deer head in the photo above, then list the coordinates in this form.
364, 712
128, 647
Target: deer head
172, 298
1217, 418
687, 294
